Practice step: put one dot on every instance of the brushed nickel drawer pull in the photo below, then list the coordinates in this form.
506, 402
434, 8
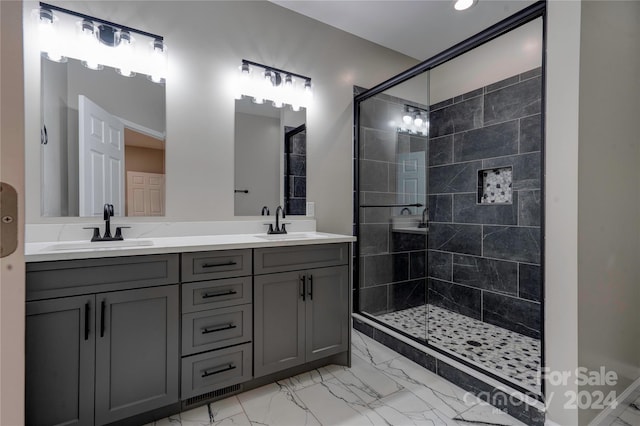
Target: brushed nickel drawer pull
218, 265
224, 293
213, 330
208, 373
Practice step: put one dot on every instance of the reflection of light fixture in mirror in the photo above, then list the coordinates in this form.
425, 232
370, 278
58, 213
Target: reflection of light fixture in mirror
463, 4
98, 43
88, 35
48, 35
158, 61
415, 121
125, 53
276, 85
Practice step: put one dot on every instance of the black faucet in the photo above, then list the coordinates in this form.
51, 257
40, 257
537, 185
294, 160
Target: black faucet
278, 229
423, 224
265, 211
108, 212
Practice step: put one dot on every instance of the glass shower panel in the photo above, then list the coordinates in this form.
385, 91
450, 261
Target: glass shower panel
484, 276
393, 206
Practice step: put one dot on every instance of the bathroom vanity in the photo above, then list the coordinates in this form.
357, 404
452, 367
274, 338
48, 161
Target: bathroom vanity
137, 333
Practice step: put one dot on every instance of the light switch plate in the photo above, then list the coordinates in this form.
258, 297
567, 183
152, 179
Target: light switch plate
311, 208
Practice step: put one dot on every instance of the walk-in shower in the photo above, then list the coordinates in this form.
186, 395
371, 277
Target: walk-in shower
449, 206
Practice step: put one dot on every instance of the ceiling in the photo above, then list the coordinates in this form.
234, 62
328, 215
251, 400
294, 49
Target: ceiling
418, 28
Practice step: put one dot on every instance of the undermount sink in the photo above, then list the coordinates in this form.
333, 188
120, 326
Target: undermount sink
88, 245
292, 236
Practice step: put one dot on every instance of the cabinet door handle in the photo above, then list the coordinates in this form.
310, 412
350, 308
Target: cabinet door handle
224, 293
207, 373
303, 284
102, 308
218, 265
207, 330
310, 287
86, 321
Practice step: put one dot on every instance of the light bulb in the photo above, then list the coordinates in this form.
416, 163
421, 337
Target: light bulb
158, 61
463, 4
89, 42
48, 35
418, 120
124, 54
406, 118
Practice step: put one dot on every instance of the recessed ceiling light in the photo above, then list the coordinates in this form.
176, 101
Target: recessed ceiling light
464, 4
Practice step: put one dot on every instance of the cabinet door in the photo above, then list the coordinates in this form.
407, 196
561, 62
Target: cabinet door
278, 322
327, 312
136, 352
60, 344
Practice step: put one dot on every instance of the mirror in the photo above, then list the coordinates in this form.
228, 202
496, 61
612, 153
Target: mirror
270, 159
102, 141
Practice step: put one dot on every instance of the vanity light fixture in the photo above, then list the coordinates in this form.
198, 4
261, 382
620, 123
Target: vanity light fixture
278, 86
98, 43
415, 121
47, 28
461, 5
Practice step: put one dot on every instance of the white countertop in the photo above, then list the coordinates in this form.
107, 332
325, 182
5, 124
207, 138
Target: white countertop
67, 250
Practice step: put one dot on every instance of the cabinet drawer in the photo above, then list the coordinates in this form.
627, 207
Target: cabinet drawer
280, 259
212, 265
74, 277
199, 296
214, 370
216, 328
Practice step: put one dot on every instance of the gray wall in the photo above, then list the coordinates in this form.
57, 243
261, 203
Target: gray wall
609, 194
591, 215
484, 258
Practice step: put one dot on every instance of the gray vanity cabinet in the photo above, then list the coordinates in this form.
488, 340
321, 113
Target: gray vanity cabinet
301, 315
60, 345
327, 325
101, 356
136, 352
217, 323
279, 327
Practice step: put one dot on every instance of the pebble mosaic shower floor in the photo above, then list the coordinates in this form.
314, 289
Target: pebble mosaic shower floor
505, 353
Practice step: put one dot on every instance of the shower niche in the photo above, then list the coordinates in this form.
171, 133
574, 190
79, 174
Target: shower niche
495, 186
466, 284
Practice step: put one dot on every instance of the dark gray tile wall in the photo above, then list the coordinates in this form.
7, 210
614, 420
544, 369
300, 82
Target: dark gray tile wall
297, 174
484, 260
392, 272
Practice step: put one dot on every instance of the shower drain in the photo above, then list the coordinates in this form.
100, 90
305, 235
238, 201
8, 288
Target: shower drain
473, 343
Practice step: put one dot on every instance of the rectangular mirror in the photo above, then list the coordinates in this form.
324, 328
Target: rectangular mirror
102, 141
270, 159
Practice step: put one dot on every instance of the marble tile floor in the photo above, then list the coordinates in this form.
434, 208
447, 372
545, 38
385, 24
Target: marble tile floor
381, 388
505, 353
627, 413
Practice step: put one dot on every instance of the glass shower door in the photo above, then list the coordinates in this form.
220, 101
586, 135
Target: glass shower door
392, 207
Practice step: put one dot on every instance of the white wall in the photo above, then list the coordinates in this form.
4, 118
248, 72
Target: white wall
561, 202
517, 51
608, 194
136, 99
207, 41
592, 200
12, 166
54, 162
258, 155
